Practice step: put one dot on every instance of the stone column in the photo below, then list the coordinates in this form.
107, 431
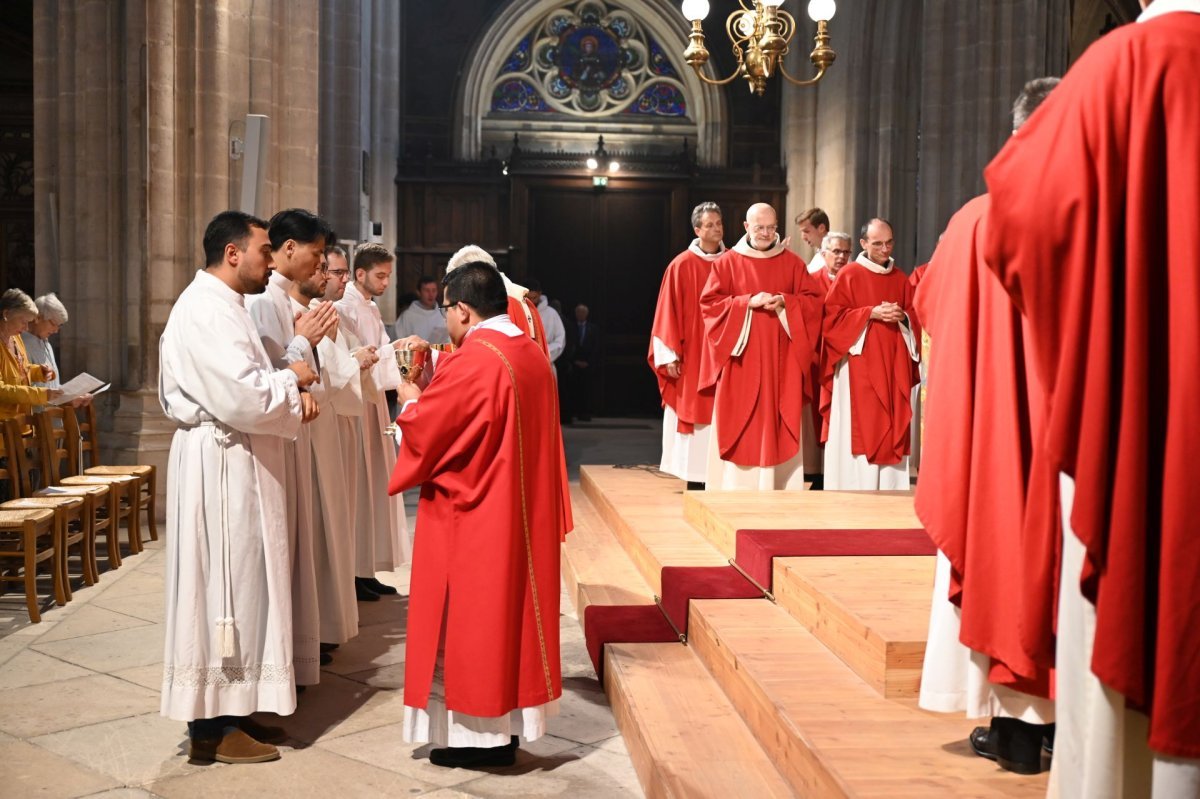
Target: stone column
139, 99
850, 142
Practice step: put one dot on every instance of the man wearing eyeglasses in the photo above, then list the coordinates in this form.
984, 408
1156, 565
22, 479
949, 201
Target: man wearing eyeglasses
762, 316
869, 356
835, 253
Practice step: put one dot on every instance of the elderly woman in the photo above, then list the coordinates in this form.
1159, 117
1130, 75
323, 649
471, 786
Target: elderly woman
51, 315
17, 394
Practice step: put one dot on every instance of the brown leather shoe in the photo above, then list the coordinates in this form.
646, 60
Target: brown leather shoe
261, 732
234, 746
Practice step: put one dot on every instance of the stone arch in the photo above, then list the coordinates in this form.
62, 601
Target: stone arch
660, 18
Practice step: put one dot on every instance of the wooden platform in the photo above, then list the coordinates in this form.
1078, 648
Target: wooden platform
797, 698
720, 514
872, 612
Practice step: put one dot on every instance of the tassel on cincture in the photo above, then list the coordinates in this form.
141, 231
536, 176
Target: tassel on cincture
225, 636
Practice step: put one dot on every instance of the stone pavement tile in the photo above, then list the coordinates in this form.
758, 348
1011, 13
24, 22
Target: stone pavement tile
301, 774
389, 677
89, 620
449, 793
147, 606
135, 583
146, 676
123, 649
30, 771
381, 644
582, 773
133, 751
122, 793
385, 747
55, 706
584, 714
392, 610
338, 707
33, 668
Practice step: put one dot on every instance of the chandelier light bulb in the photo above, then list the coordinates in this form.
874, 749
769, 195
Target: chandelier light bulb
772, 3
746, 23
695, 9
613, 166
821, 10
592, 163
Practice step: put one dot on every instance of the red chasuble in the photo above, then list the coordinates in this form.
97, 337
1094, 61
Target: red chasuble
678, 324
761, 388
882, 377
982, 413
518, 317
486, 562
1108, 170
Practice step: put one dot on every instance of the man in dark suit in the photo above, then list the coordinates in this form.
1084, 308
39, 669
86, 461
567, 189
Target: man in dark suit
585, 349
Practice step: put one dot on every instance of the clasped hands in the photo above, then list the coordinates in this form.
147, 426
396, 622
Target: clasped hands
767, 301
888, 312
318, 323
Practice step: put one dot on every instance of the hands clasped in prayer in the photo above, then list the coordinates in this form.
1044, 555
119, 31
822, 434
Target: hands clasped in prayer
888, 312
767, 301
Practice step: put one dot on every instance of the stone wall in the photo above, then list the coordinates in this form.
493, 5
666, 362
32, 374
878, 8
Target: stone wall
134, 104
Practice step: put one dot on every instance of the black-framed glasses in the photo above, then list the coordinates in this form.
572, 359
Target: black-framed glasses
446, 305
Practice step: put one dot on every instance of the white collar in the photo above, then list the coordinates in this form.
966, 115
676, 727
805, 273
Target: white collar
874, 267
356, 296
694, 248
279, 280
1160, 7
743, 248
211, 282
500, 323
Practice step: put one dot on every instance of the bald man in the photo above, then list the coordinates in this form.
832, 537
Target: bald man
762, 316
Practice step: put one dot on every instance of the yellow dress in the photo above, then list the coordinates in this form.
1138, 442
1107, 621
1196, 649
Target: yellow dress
17, 396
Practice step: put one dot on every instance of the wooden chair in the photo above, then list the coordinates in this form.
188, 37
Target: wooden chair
89, 464
27, 539
53, 457
72, 514
62, 470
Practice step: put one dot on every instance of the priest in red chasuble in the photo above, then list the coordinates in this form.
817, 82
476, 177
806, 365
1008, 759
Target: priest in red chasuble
482, 664
982, 497
762, 312
1109, 168
676, 342
868, 369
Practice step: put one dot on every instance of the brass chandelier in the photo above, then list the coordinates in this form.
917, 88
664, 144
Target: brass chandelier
761, 33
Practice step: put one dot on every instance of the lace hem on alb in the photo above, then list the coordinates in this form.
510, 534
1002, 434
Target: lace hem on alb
200, 676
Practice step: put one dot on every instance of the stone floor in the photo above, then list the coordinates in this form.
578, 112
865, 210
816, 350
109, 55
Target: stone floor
79, 698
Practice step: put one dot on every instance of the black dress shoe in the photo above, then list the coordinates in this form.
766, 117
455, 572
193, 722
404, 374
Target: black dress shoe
326, 658
328, 647
379, 588
981, 742
695, 486
1018, 745
362, 593
476, 756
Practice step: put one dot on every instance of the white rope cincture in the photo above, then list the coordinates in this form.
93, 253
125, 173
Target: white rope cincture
226, 629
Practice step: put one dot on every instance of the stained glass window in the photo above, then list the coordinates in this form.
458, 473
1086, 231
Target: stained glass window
589, 58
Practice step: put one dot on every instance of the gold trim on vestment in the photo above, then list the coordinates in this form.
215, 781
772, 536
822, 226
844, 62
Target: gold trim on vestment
537, 608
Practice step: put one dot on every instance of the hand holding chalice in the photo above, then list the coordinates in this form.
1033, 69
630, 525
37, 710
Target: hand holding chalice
411, 354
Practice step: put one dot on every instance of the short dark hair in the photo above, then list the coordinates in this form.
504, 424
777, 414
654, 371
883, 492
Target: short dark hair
1032, 95
336, 249
533, 284
423, 279
369, 255
478, 285
228, 227
814, 215
296, 224
862, 233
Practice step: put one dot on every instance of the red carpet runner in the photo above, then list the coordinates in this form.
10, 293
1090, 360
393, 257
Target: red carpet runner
619, 624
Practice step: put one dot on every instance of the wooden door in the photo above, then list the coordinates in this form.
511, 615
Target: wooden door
608, 250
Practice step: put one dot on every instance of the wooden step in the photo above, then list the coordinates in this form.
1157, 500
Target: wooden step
872, 612
595, 568
827, 732
685, 737
720, 514
644, 511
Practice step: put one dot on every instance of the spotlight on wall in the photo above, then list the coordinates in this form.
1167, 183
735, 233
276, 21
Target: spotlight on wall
614, 167
592, 163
